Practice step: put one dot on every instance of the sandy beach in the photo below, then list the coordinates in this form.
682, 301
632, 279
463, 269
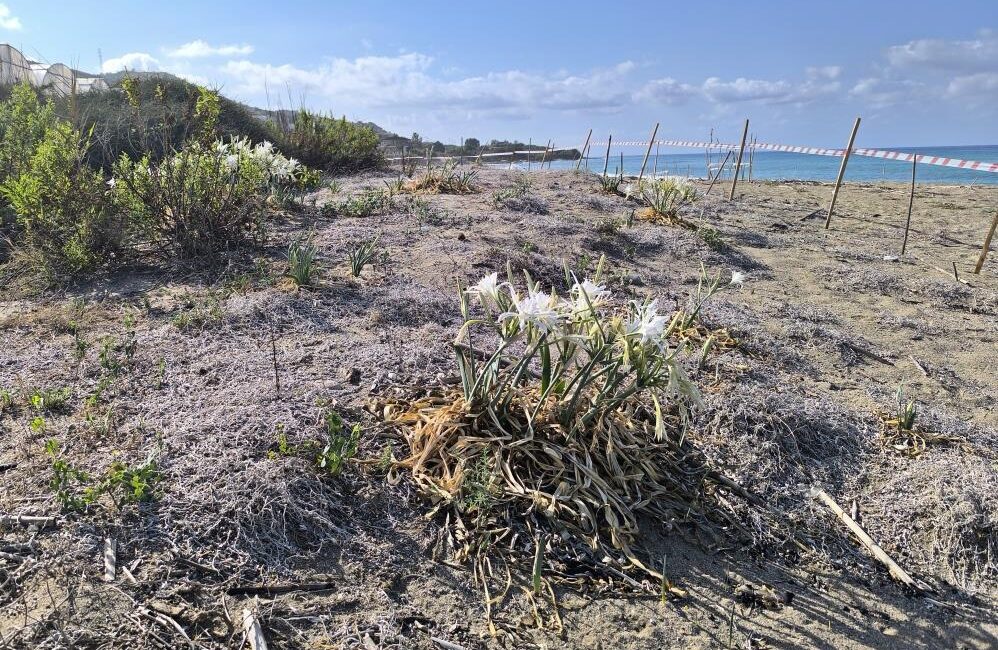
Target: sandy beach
828, 324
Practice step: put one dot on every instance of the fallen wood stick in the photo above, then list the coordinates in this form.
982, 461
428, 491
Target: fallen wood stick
12, 557
253, 631
167, 622
919, 365
110, 558
26, 520
944, 271
270, 590
446, 645
128, 575
866, 353
896, 571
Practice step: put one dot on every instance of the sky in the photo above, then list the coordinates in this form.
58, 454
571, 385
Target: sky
919, 73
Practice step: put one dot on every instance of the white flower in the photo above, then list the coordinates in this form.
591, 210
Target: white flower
537, 309
111, 183
646, 323
487, 290
232, 161
737, 277
586, 294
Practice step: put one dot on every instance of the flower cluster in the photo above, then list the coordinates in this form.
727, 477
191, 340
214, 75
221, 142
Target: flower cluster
590, 354
542, 313
277, 167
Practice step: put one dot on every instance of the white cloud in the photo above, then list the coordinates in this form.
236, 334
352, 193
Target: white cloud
745, 90
666, 91
200, 49
7, 21
824, 72
818, 82
139, 61
978, 54
983, 85
880, 92
408, 80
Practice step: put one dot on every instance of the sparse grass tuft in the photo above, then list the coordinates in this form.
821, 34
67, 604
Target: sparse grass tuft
711, 237
302, 266
664, 197
443, 180
361, 255
49, 400
199, 314
607, 227
367, 204
611, 184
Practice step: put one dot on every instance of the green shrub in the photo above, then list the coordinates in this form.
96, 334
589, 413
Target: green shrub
155, 114
329, 144
364, 205
67, 223
24, 121
191, 204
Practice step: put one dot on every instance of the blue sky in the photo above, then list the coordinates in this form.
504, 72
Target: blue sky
918, 72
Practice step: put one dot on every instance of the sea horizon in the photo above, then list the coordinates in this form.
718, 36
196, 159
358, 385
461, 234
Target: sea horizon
774, 165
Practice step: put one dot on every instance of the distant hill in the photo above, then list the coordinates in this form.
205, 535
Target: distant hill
388, 140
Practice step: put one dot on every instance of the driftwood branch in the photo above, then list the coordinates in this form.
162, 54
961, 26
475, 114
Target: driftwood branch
895, 570
446, 645
253, 631
272, 590
26, 520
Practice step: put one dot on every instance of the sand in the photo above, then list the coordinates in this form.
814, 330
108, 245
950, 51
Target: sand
830, 322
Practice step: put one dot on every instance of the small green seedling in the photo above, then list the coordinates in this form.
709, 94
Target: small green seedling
341, 445
906, 410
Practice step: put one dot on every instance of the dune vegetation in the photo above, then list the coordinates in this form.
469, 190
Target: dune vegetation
256, 380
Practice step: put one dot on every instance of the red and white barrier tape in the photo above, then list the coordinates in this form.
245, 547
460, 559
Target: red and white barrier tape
532, 152
818, 151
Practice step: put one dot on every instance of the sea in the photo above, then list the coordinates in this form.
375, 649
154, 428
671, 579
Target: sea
772, 165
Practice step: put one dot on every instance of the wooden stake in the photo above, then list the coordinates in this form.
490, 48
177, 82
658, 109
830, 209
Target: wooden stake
530, 146
911, 202
738, 163
654, 172
892, 566
582, 154
842, 172
956, 274
718, 174
544, 157
987, 245
647, 153
606, 159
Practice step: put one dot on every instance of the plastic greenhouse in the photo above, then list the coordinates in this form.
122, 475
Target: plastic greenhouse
57, 78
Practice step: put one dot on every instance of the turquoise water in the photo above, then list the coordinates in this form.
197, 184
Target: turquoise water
771, 165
